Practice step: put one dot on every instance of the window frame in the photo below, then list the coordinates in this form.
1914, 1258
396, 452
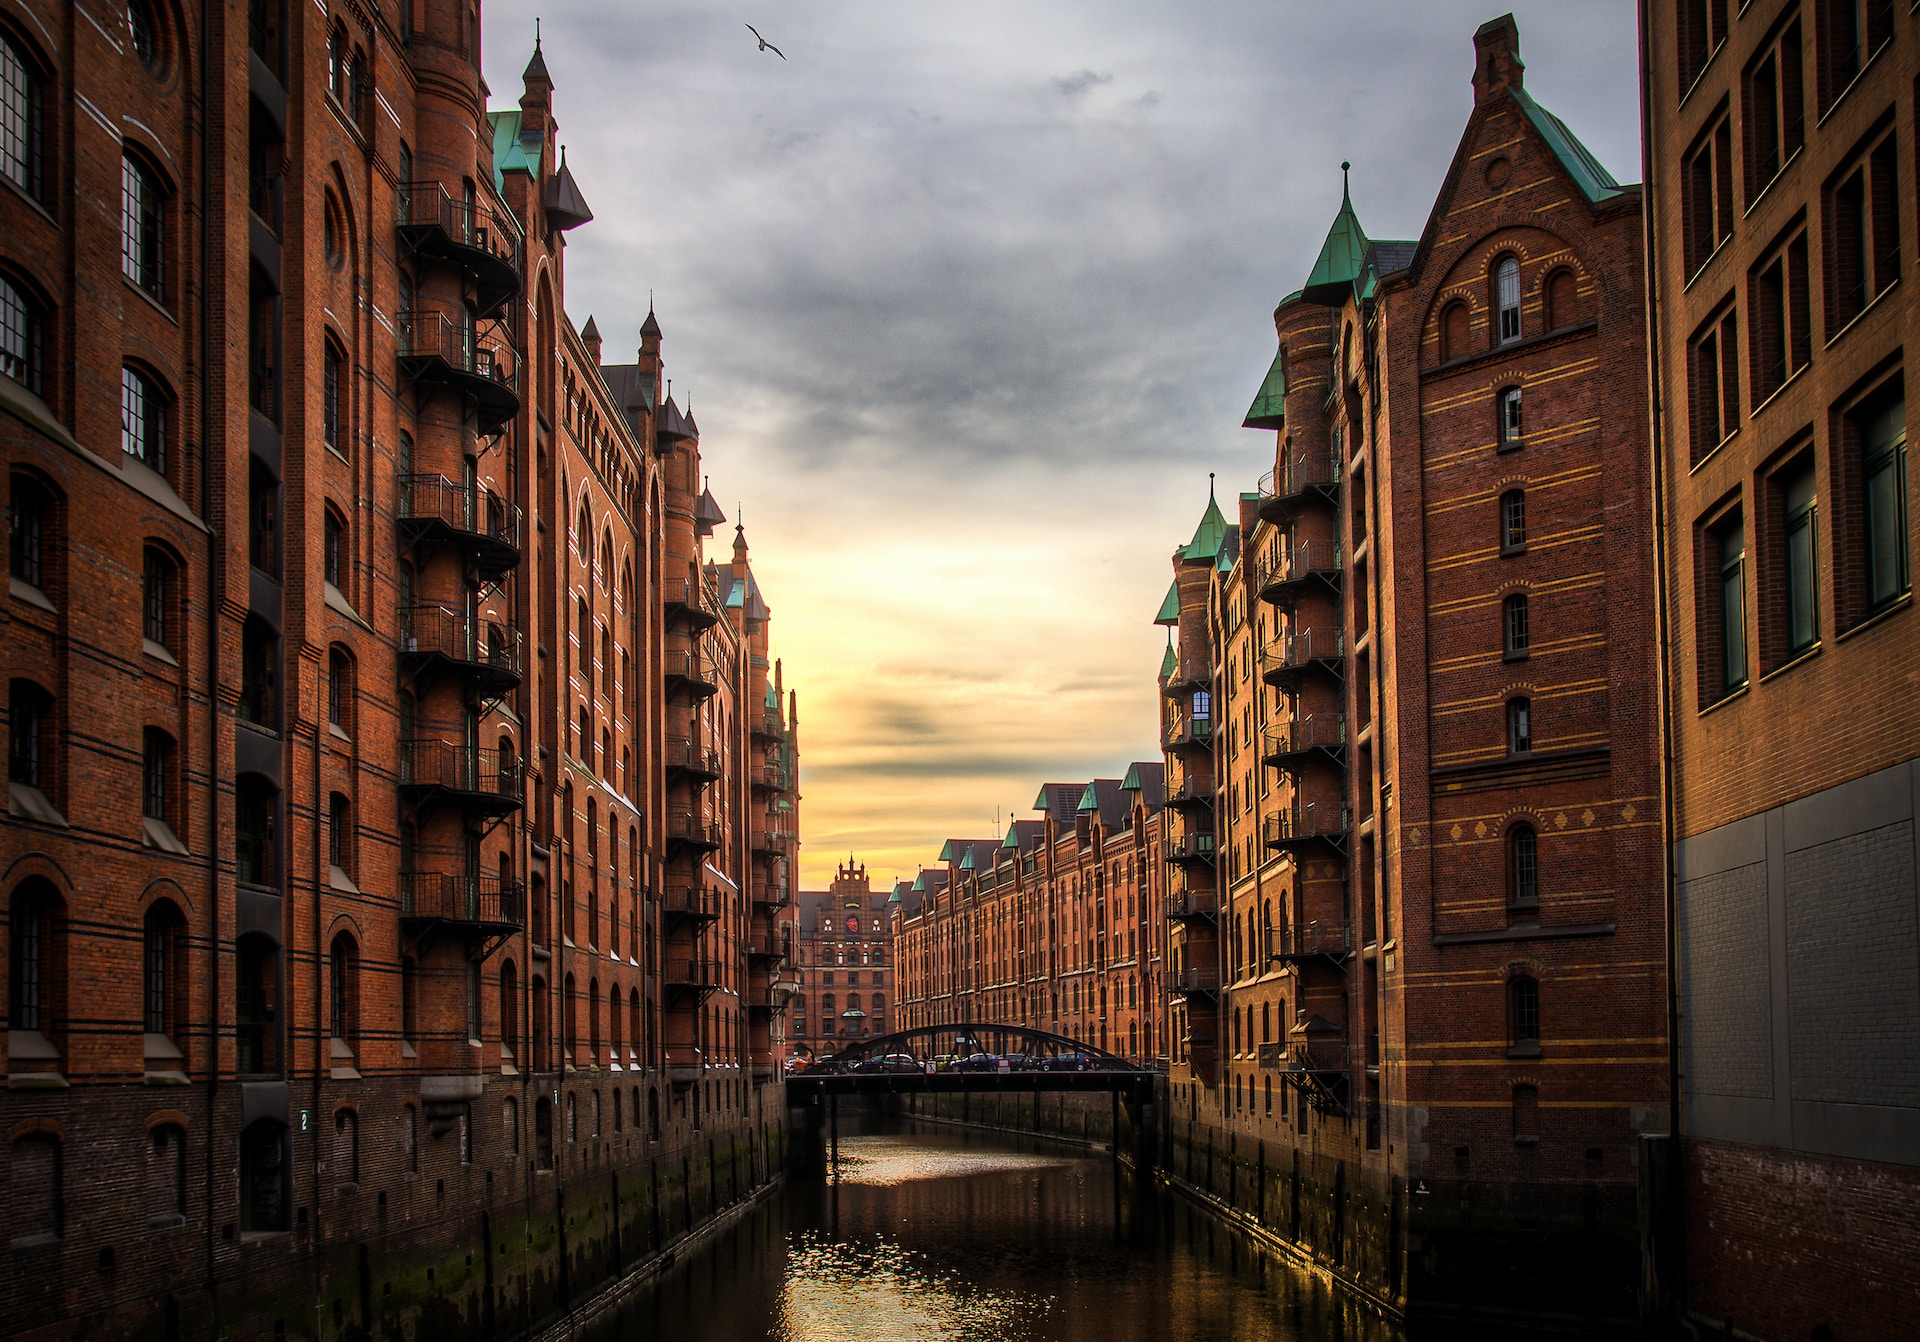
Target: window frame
1509, 299
1509, 419
1516, 629
1519, 716
22, 313
143, 225
1513, 522
144, 407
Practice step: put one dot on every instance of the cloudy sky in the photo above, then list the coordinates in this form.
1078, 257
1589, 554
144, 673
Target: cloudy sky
969, 299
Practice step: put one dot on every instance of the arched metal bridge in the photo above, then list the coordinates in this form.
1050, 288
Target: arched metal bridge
969, 1057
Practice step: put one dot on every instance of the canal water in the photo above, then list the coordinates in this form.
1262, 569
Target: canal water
952, 1235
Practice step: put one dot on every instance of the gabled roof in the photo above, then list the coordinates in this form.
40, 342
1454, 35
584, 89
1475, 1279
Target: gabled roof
1023, 834
1269, 408
1059, 800
1594, 181
632, 391
1208, 536
1170, 605
1149, 779
1105, 798
961, 851
566, 207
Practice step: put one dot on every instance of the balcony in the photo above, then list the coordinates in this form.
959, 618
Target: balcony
689, 904
690, 759
1192, 982
687, 829
1319, 1069
486, 909
1319, 647
1185, 733
772, 777
1306, 826
479, 521
687, 601
486, 783
1188, 905
1305, 479
1189, 849
439, 640
1286, 744
439, 351
1287, 571
1189, 674
772, 894
1312, 941
770, 945
1194, 793
433, 222
691, 672
774, 836
695, 978
767, 726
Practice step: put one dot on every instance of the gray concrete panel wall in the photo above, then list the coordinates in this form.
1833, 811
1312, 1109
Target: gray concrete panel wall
1799, 973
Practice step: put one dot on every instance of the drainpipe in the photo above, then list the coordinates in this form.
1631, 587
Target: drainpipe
215, 568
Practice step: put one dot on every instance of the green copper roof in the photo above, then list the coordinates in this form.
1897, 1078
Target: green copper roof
1040, 803
966, 863
1088, 802
1269, 408
1169, 662
1169, 610
1131, 783
920, 881
1010, 841
509, 150
1343, 258
1595, 181
1209, 536
946, 850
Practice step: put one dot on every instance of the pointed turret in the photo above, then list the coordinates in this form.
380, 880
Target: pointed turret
708, 513
590, 337
1211, 534
1343, 256
1269, 408
566, 207
740, 541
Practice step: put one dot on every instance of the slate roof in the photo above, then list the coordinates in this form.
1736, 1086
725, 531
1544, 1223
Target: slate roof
1149, 779
632, 391
566, 206
1060, 800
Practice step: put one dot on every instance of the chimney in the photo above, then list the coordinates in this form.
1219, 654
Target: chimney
1496, 58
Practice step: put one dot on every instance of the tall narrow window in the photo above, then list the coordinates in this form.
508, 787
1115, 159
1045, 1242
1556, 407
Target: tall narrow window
1519, 726
1523, 996
141, 216
30, 934
1507, 287
143, 32
1706, 191
1513, 521
1510, 427
1774, 112
1714, 383
1883, 459
330, 528
1863, 226
143, 420
253, 832
158, 966
330, 396
21, 324
156, 765
30, 727
1523, 866
29, 511
156, 590
410, 998
340, 986
1515, 626
340, 832
21, 93
1702, 28
340, 691
1731, 551
1780, 337
1797, 540
1849, 33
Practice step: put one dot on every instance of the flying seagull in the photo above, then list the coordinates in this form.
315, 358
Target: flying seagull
766, 45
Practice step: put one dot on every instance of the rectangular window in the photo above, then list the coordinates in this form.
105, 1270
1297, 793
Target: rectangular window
1850, 32
1519, 726
1510, 426
1714, 383
1780, 335
1884, 465
1863, 232
19, 118
153, 598
1518, 636
1706, 191
1797, 534
140, 222
1773, 110
1702, 28
1513, 521
1730, 606
153, 775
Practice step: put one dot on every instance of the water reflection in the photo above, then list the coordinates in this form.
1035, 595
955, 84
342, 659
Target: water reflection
942, 1234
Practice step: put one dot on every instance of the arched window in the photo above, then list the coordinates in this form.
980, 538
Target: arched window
32, 526
583, 535
1515, 632
156, 597
1523, 866
343, 989
34, 1193
1456, 325
1563, 299
633, 1035
22, 334
32, 734
255, 802
1513, 521
537, 1031
1526, 1114
22, 91
166, 1175
593, 1021
142, 215
1519, 725
332, 545
1523, 1012
510, 1008
143, 420
340, 690
543, 1133
1506, 285
340, 833
332, 395
569, 1020
1508, 426
409, 998
33, 958
616, 1003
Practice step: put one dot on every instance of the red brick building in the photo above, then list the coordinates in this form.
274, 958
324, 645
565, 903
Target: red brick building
1781, 173
1418, 968
1056, 927
399, 797
843, 972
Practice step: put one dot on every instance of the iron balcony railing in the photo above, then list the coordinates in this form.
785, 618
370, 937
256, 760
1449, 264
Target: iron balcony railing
1196, 789
1183, 730
1300, 941
691, 756
1301, 823
691, 828
1298, 473
467, 510
767, 723
458, 898
435, 221
1189, 847
1193, 903
1302, 648
692, 667
770, 943
453, 634
689, 901
698, 973
1297, 736
1192, 980
451, 767
690, 599
1318, 1055
1300, 561
427, 333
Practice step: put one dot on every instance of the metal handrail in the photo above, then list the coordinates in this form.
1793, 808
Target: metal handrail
461, 898
428, 333
1300, 472
1191, 980
458, 636
459, 768
474, 509
1315, 731
1314, 643
430, 205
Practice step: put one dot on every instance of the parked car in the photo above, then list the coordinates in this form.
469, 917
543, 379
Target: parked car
978, 1062
1022, 1062
1067, 1062
894, 1063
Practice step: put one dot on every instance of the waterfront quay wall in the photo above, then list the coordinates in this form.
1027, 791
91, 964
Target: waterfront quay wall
458, 1229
